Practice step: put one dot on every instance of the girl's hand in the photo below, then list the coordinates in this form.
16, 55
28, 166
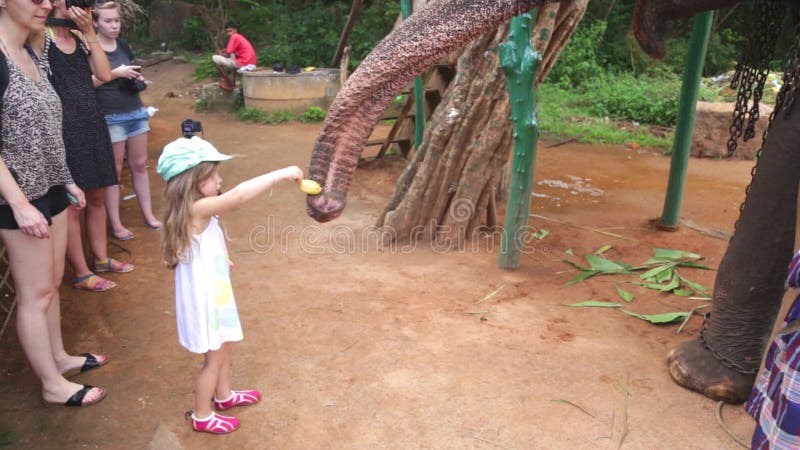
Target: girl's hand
31, 221
83, 19
292, 173
131, 72
77, 194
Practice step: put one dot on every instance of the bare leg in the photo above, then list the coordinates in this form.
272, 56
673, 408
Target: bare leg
112, 193
75, 244
137, 161
207, 382
37, 305
223, 387
96, 222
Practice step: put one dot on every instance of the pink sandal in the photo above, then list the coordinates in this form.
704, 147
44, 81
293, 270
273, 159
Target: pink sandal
214, 424
112, 265
238, 398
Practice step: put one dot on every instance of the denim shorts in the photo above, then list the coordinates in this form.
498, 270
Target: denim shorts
127, 125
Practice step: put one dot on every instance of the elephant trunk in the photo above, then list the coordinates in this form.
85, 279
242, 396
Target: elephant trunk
425, 37
750, 283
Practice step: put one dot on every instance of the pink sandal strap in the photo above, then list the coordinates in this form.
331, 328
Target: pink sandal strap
92, 283
215, 424
112, 265
238, 398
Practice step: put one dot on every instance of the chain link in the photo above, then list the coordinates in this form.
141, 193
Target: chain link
724, 360
752, 69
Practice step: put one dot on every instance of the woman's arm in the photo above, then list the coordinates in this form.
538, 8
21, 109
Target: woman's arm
101, 69
243, 192
29, 219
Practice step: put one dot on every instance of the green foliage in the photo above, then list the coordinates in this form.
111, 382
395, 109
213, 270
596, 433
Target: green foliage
565, 112
312, 114
579, 61
194, 35
644, 100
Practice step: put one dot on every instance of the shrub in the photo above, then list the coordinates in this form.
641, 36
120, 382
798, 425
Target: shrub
313, 114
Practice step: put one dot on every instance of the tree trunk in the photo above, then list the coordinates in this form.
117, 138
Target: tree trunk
444, 192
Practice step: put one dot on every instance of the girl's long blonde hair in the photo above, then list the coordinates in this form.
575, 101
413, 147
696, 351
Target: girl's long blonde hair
181, 193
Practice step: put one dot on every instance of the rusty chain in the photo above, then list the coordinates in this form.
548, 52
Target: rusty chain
724, 360
752, 68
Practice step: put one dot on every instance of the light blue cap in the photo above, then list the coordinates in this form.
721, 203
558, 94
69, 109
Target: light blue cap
183, 154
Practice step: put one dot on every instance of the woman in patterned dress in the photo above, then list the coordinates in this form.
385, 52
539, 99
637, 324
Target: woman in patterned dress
34, 187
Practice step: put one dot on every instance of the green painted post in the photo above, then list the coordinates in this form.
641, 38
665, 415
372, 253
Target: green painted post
419, 100
681, 146
520, 64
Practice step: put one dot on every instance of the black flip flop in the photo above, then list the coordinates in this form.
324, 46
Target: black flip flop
91, 363
77, 398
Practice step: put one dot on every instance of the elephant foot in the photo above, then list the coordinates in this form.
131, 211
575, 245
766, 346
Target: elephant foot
649, 27
693, 366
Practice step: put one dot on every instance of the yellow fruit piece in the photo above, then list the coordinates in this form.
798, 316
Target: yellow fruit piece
310, 187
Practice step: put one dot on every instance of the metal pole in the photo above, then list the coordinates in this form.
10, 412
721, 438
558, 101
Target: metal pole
520, 63
681, 146
419, 93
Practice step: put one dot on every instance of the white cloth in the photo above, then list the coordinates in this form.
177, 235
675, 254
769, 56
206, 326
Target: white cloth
224, 61
204, 305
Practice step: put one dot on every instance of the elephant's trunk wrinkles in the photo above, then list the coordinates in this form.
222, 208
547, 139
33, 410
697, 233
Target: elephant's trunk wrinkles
425, 37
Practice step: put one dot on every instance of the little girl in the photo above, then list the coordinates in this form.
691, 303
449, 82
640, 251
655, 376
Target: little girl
194, 245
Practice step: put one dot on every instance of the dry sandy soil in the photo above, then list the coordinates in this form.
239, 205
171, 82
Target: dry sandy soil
377, 348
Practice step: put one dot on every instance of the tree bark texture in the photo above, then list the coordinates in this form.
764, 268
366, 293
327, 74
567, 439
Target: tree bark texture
444, 191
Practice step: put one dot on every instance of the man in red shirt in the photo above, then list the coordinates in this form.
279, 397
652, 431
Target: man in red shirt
238, 55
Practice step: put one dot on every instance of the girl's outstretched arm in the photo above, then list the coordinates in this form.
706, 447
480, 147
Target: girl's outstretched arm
242, 193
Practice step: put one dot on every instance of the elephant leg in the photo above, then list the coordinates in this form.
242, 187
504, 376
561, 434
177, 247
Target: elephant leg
722, 363
650, 16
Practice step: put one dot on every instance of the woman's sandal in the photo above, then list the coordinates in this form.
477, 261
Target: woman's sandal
237, 398
126, 235
77, 397
112, 265
92, 283
91, 363
214, 424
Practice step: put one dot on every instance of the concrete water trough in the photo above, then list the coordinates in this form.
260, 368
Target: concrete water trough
272, 91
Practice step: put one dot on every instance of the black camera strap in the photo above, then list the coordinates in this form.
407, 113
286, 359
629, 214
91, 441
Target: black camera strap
53, 22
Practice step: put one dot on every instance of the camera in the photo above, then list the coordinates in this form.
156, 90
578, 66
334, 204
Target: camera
189, 127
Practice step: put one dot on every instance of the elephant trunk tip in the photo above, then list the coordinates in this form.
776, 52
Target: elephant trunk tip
325, 206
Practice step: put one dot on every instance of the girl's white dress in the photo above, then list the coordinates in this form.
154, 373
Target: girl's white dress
204, 303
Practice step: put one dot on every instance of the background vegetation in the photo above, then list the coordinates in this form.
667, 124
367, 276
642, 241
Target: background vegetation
601, 76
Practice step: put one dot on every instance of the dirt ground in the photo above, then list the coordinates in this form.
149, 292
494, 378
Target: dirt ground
368, 348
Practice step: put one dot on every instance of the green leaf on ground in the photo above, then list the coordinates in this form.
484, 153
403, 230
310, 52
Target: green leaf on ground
577, 266
570, 252
623, 294
491, 294
660, 319
602, 250
581, 276
683, 292
656, 271
541, 234
594, 304
694, 265
697, 287
674, 255
601, 264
